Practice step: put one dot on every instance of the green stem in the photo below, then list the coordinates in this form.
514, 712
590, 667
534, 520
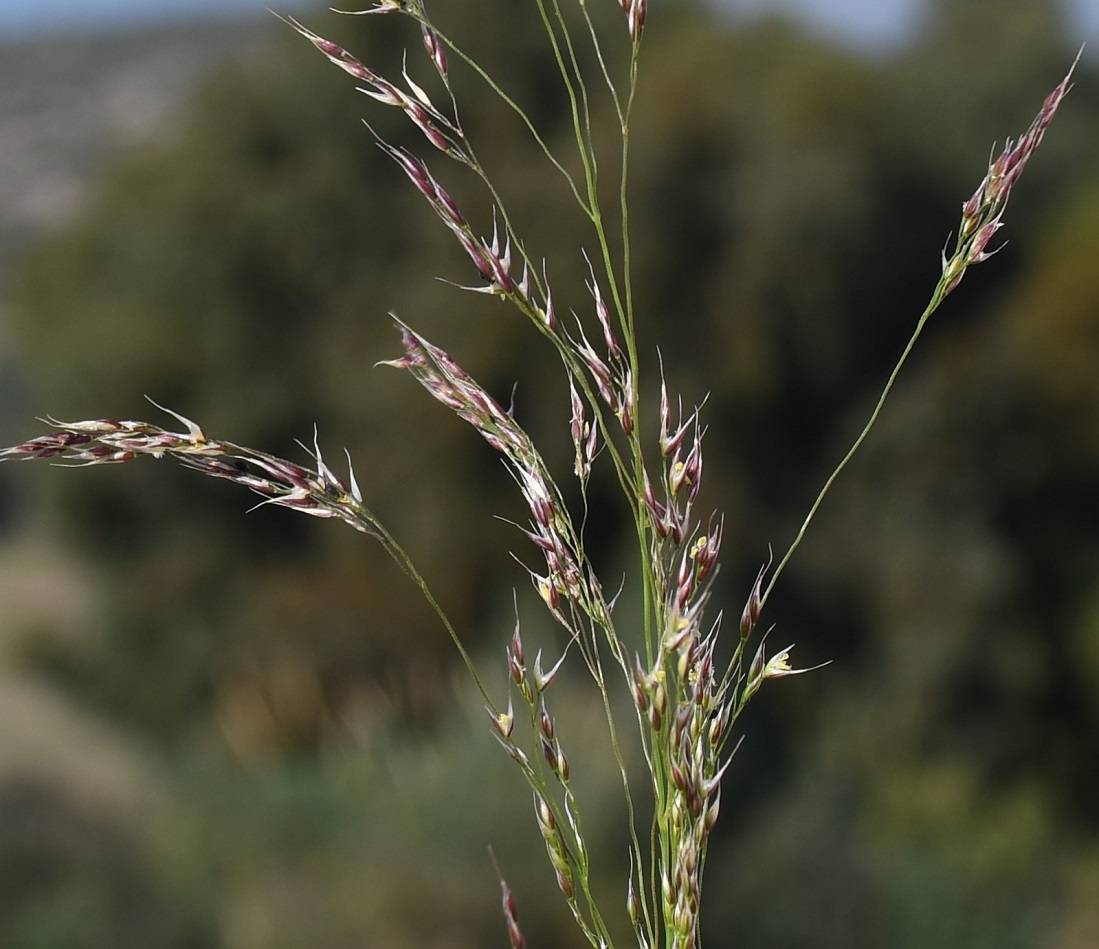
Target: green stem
397, 552
936, 299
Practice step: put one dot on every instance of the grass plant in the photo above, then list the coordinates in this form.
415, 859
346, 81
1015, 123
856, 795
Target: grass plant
685, 700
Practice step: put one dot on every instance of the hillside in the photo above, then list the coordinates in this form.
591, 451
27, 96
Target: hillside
66, 103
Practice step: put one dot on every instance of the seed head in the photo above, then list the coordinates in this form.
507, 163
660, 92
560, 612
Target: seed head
982, 212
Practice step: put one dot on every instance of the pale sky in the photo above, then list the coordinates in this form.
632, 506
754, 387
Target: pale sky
870, 22
865, 22
24, 17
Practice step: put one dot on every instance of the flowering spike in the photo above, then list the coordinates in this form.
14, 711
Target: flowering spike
602, 313
335, 53
435, 50
198, 436
511, 916
778, 666
548, 313
982, 212
415, 169
665, 414
635, 18
356, 492
543, 679
752, 608
503, 722
417, 91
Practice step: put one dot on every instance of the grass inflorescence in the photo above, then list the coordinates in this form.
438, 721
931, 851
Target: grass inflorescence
684, 699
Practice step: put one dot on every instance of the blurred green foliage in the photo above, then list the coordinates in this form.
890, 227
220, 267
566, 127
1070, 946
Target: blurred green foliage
935, 786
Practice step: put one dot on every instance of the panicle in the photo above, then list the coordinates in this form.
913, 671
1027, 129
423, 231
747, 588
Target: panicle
982, 213
319, 492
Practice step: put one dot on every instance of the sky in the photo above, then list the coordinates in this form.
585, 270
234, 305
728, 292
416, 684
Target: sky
28, 17
873, 22
863, 22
